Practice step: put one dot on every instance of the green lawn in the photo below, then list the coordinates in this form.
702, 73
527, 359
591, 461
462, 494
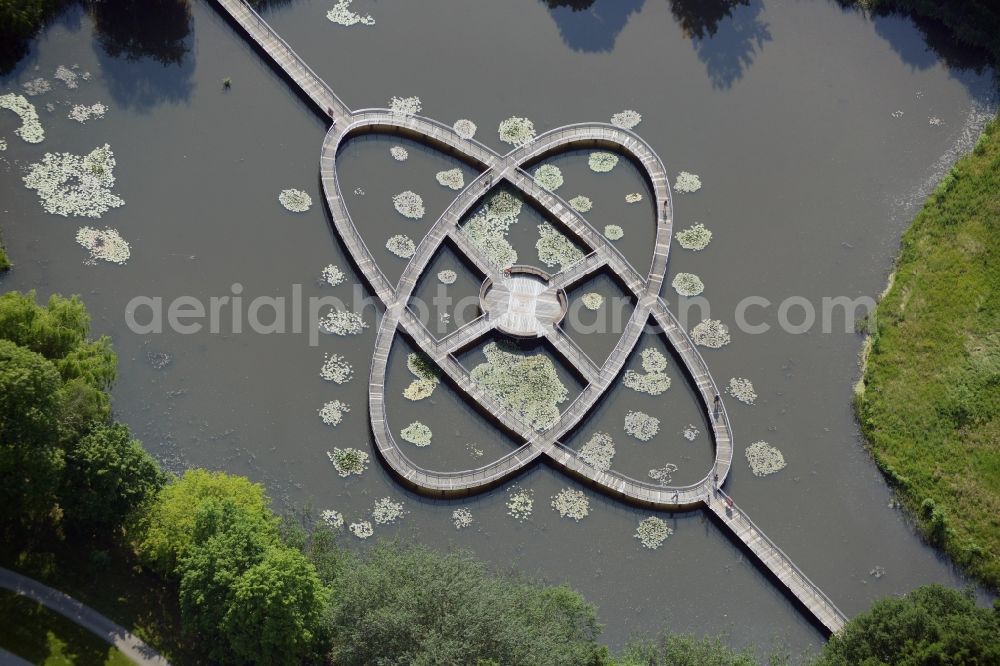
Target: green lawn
929, 399
41, 636
112, 583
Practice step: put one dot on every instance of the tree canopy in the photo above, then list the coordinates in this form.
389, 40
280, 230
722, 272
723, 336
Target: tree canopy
409, 605
931, 625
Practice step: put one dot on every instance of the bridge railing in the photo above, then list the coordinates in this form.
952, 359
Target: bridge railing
644, 489
350, 230
464, 330
575, 350
231, 5
693, 357
740, 516
459, 478
378, 114
542, 142
593, 237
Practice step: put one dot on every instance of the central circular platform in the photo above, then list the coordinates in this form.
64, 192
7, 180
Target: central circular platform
524, 304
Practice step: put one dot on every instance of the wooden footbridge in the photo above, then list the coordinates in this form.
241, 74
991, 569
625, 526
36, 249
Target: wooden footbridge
496, 169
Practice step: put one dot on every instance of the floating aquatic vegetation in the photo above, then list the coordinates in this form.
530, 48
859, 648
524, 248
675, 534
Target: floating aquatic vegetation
613, 232
447, 276
158, 360
401, 246
653, 383
641, 425
333, 412
520, 503
30, 129
341, 14
452, 179
342, 322
710, 333
687, 284
474, 450
426, 378
3, 144
294, 200
517, 131
626, 119
602, 162
332, 275
50, 107
935, 121
696, 237
764, 459
549, 176
336, 369
461, 518
409, 204
691, 432
877, 572
334, 519
503, 206
488, 228
687, 182
73, 185
386, 511
421, 367
417, 433
348, 461
653, 360
581, 204
598, 452
82, 113
663, 475
556, 249
104, 244
465, 128
408, 106
37, 86
571, 504
489, 237
67, 76
358, 191
419, 389
896, 114
592, 300
527, 385
742, 390
399, 153
633, 197
652, 532
362, 529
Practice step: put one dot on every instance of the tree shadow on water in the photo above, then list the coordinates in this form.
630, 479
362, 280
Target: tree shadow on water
726, 34
145, 50
591, 26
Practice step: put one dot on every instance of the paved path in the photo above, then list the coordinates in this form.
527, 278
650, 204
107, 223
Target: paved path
126, 643
496, 169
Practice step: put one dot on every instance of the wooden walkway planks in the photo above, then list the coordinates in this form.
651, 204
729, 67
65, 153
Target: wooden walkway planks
779, 564
285, 59
646, 290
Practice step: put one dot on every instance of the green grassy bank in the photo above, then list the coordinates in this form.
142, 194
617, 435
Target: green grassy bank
929, 399
40, 636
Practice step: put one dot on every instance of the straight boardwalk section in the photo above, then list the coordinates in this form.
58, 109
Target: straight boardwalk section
780, 565
286, 59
